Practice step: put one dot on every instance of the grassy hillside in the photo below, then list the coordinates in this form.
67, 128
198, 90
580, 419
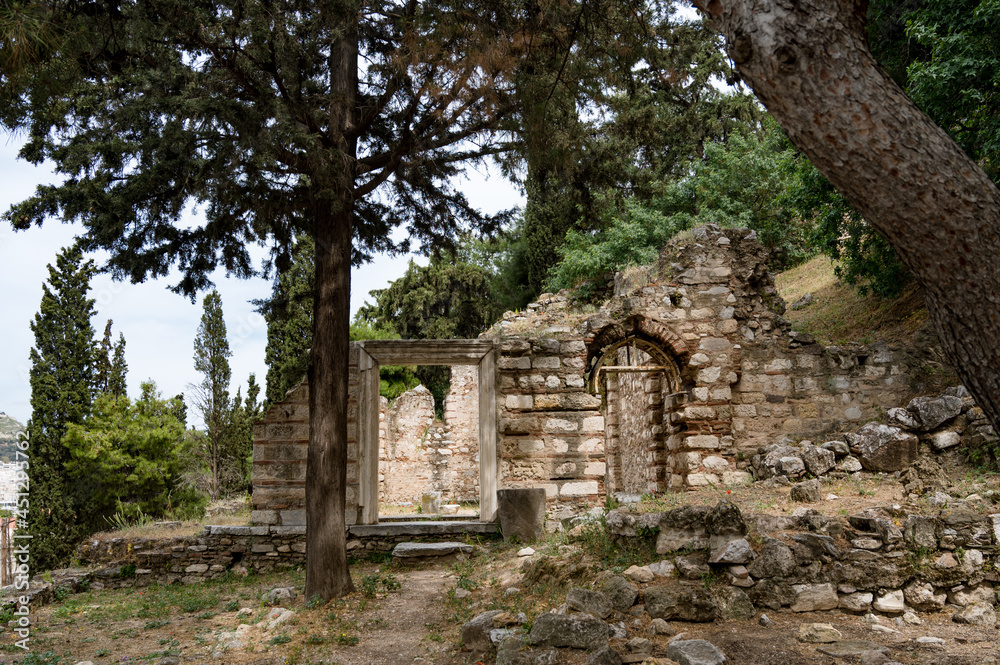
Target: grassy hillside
839, 315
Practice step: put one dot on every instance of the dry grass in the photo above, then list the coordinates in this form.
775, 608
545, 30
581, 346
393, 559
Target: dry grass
222, 513
838, 315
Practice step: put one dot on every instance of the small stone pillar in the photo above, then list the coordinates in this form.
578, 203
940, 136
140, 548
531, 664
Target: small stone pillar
522, 513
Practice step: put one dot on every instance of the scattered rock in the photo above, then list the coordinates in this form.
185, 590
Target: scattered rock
578, 631
885, 448
900, 417
641, 574
807, 491
278, 596
620, 592
819, 633
803, 302
977, 614
695, 652
945, 440
838, 448
734, 603
857, 603
849, 648
933, 412
525, 551
849, 464
461, 593
663, 568
814, 597
604, 656
765, 621
817, 460
639, 645
929, 641
911, 618
890, 603
476, 633
513, 651
591, 602
682, 602
660, 627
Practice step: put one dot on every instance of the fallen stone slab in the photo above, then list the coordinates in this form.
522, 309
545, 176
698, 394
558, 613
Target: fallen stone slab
418, 551
695, 652
578, 631
850, 648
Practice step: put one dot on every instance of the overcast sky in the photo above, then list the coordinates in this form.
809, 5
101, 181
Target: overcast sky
159, 326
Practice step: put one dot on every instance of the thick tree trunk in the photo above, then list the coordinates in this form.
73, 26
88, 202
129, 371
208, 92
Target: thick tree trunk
332, 204
809, 63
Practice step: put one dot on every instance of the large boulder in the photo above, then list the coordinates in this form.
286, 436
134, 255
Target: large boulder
808, 491
885, 448
977, 614
620, 592
591, 602
933, 412
682, 602
578, 631
775, 560
817, 460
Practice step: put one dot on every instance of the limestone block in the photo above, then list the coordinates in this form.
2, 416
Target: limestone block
546, 362
518, 402
890, 602
856, 603
813, 597
709, 375
582, 488
885, 448
715, 464
519, 362
592, 424
522, 513
702, 441
293, 517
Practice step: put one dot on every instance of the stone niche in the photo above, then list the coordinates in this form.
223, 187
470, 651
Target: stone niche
673, 383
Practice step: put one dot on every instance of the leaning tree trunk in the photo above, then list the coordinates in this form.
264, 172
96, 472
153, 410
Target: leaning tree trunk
327, 575
809, 63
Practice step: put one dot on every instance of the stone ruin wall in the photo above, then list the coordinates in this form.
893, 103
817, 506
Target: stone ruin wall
744, 379
418, 455
740, 378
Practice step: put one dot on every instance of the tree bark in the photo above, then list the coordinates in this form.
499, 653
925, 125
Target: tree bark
331, 200
809, 64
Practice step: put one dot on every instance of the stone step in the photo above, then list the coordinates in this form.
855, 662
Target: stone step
422, 551
424, 528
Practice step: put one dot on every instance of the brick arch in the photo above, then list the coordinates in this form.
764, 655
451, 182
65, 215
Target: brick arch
640, 327
643, 411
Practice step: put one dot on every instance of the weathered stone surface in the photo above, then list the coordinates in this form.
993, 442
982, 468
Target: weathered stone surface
522, 513
736, 551
683, 528
278, 596
591, 602
814, 546
919, 532
817, 460
977, 614
972, 594
932, 412
417, 550
692, 566
620, 592
682, 602
945, 440
664, 568
775, 560
807, 491
890, 602
849, 648
695, 652
725, 519
885, 448
813, 597
900, 417
923, 596
639, 645
660, 627
578, 631
858, 602
734, 603
641, 574
513, 651
476, 633
849, 464
604, 656
838, 448
819, 633
771, 594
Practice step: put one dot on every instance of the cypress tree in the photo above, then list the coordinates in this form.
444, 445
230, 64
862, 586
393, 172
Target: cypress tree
211, 358
119, 369
61, 379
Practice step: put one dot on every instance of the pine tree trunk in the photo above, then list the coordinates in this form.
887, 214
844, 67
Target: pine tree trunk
327, 575
809, 63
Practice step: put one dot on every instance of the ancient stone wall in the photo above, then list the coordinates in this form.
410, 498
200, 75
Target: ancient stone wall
675, 382
405, 451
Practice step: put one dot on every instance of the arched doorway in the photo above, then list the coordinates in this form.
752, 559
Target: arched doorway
635, 365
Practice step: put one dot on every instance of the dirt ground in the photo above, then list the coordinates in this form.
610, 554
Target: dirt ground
404, 615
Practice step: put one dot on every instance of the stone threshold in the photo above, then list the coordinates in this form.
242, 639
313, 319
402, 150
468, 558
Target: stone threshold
382, 519
422, 528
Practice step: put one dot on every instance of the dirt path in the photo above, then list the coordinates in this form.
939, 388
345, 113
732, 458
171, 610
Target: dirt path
404, 628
